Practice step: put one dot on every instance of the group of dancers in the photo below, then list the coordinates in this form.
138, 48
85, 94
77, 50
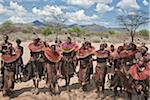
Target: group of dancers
60, 60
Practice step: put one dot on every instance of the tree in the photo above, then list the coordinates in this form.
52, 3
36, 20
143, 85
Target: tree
144, 32
77, 30
6, 27
132, 21
47, 31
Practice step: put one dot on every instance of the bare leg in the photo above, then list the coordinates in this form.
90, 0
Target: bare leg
34, 83
115, 93
50, 90
37, 85
129, 96
103, 80
53, 87
67, 83
97, 86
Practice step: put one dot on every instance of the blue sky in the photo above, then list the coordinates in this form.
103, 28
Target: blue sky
103, 12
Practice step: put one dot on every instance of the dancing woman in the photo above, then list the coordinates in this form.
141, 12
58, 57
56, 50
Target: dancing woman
4, 46
52, 58
68, 66
84, 55
101, 69
9, 58
36, 50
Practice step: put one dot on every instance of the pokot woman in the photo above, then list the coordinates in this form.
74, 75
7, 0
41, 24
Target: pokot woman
10, 55
36, 48
84, 56
52, 58
132, 50
113, 56
68, 64
101, 68
3, 48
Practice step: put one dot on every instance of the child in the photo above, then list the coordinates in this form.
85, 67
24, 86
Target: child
19, 62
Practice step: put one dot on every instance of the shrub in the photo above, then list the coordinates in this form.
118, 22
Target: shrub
112, 32
6, 27
47, 31
77, 30
144, 33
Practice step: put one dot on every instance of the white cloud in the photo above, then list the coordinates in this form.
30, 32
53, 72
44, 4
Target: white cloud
17, 19
69, 8
48, 11
23, 19
18, 14
80, 17
121, 11
87, 3
145, 2
1, 0
2, 9
132, 13
28, 0
125, 4
102, 8
17, 7
32, 0
103, 1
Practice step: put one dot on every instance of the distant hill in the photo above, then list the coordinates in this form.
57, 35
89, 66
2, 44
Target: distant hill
117, 29
73, 25
38, 23
94, 28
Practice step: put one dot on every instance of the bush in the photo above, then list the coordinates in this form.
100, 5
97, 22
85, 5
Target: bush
6, 27
7, 24
144, 33
47, 31
77, 30
112, 32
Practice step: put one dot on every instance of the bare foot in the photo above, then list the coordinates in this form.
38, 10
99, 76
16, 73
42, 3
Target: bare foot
36, 91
